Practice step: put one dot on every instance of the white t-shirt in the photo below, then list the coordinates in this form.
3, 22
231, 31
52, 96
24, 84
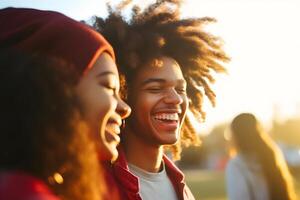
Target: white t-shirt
154, 186
245, 180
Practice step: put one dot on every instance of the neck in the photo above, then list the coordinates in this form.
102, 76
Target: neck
142, 154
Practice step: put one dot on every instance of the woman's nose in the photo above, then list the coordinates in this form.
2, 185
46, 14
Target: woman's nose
123, 109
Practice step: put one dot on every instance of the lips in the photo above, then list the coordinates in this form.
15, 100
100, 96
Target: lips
112, 130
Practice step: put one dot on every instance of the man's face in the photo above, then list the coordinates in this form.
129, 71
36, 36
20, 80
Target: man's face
159, 102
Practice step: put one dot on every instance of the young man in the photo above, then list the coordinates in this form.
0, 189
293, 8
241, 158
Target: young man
167, 63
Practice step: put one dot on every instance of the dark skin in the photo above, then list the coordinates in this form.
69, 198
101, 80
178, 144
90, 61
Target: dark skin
159, 105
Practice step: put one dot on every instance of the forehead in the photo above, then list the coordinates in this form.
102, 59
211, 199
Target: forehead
164, 68
104, 63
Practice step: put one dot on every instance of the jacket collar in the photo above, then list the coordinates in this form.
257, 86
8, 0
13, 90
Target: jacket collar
130, 182
124, 177
176, 177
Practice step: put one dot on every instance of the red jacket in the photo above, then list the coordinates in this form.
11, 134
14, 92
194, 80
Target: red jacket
21, 186
128, 186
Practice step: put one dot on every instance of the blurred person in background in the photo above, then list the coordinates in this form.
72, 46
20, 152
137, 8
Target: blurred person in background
258, 171
56, 73
168, 64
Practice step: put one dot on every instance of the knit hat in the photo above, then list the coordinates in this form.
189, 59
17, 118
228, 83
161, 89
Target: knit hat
51, 34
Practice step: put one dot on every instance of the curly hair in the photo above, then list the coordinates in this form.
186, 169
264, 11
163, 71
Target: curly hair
41, 130
159, 31
261, 146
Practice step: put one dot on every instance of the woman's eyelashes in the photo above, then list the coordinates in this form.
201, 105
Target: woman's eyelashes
110, 84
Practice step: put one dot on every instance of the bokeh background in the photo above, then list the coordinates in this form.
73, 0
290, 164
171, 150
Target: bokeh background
262, 39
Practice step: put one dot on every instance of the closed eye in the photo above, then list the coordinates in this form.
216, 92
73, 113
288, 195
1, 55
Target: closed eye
154, 89
109, 80
181, 90
109, 85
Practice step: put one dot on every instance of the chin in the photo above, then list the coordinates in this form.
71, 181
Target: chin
113, 153
167, 138
114, 158
170, 141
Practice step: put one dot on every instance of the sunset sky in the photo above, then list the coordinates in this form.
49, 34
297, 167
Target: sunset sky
261, 36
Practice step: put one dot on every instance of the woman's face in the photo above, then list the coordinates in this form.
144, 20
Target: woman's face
102, 108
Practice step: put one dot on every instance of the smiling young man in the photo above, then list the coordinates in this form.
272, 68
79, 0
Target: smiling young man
159, 99
158, 96
168, 64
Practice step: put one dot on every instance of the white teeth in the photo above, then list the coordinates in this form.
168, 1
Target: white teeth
167, 116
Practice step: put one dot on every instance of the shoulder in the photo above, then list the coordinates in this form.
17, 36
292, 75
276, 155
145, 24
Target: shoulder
18, 185
113, 190
235, 163
235, 168
119, 179
178, 180
172, 169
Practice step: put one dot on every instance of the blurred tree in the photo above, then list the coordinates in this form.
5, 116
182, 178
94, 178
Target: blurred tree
212, 153
215, 141
287, 132
192, 157
217, 147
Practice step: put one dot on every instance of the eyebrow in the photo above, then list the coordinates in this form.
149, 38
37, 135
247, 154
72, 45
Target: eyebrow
160, 80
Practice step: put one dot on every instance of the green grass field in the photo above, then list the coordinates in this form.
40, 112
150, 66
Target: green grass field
210, 185
206, 185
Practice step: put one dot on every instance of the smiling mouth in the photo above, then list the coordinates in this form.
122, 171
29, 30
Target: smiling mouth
167, 116
112, 137
113, 130
167, 121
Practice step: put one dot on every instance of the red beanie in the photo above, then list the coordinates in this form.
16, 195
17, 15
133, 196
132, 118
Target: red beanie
52, 34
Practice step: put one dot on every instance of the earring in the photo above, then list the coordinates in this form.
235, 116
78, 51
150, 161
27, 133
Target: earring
56, 178
123, 123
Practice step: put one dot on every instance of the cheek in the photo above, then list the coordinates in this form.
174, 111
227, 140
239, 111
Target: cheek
97, 106
185, 103
104, 105
99, 115
145, 104
184, 107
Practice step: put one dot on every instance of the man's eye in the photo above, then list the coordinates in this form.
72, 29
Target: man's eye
181, 90
154, 89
